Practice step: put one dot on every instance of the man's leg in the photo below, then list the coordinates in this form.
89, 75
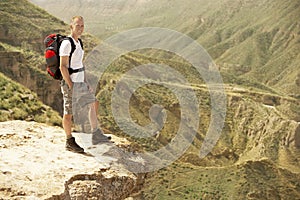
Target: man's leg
67, 125
96, 107
71, 144
93, 117
87, 98
98, 135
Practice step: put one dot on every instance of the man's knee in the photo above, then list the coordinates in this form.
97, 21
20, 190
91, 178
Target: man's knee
67, 117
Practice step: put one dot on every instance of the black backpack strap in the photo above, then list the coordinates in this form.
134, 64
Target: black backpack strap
73, 48
81, 44
71, 71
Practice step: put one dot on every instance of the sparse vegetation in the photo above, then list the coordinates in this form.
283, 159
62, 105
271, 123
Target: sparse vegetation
19, 103
257, 41
257, 54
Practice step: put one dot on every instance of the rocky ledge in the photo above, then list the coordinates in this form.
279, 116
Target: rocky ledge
35, 165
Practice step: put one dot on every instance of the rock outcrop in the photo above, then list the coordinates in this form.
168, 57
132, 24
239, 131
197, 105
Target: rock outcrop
15, 66
35, 165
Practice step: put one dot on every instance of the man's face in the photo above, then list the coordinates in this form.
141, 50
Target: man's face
77, 26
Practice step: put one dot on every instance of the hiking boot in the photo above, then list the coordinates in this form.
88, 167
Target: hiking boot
71, 145
99, 137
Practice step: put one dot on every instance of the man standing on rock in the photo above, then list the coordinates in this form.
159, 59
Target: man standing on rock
74, 86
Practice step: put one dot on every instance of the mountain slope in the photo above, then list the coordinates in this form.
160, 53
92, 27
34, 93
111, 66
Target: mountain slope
23, 28
18, 102
258, 41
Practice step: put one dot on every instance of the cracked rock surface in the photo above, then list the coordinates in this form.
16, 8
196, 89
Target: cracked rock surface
35, 165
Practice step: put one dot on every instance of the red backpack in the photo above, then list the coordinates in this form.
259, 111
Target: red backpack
52, 43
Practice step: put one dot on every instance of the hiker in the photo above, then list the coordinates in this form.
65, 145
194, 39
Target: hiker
76, 83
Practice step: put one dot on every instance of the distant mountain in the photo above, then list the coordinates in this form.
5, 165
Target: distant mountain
255, 40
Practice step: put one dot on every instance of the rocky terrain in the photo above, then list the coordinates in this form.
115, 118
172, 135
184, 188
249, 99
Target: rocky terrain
35, 165
256, 157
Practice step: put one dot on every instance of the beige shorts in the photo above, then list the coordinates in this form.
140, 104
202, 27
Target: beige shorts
79, 97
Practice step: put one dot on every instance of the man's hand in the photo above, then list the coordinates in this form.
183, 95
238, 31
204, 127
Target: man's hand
70, 84
64, 63
89, 88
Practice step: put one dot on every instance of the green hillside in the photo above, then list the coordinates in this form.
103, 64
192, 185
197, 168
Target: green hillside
19, 103
256, 40
24, 27
253, 152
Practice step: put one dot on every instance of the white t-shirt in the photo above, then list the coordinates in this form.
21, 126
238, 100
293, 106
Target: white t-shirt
76, 59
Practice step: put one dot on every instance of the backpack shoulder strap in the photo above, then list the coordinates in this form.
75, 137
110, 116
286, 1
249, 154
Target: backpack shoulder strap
73, 47
81, 44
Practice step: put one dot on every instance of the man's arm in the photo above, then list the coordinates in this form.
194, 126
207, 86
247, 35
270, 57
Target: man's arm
64, 64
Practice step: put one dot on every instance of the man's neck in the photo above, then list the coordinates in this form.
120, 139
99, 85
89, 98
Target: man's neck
75, 37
